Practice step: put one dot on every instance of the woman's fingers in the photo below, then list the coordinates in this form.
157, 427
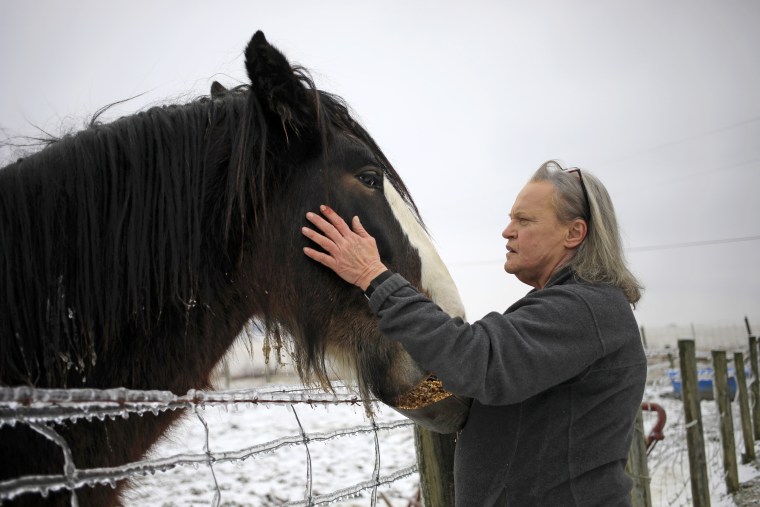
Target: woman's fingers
323, 225
335, 229
320, 257
325, 242
336, 220
352, 254
358, 228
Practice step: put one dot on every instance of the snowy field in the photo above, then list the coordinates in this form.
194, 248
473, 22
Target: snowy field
275, 453
291, 473
285, 475
668, 462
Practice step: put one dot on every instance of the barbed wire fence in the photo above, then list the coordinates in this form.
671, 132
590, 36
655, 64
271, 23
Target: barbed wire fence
42, 409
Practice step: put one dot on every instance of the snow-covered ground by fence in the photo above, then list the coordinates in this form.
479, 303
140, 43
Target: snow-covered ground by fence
271, 454
281, 477
668, 462
293, 472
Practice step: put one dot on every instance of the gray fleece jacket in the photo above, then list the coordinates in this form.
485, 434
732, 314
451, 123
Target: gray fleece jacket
556, 383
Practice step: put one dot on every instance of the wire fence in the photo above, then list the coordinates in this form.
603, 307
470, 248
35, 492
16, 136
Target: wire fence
290, 413
43, 409
668, 461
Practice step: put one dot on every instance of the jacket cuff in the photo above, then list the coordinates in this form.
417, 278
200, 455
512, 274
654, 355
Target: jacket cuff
381, 292
375, 283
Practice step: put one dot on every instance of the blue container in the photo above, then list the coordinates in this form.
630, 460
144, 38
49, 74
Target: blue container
704, 383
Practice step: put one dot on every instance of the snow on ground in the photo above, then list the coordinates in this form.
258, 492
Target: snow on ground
279, 477
668, 462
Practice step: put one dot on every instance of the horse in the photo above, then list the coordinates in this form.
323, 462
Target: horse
133, 253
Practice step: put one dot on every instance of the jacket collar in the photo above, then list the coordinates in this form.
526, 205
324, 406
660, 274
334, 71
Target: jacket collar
561, 277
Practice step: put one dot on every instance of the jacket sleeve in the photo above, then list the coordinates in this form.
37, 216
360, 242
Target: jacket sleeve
546, 338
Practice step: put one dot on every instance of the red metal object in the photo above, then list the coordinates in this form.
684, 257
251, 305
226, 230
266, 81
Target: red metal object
655, 434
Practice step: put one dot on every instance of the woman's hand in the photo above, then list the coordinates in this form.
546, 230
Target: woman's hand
352, 254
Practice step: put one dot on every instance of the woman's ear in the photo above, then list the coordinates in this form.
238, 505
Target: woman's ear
576, 233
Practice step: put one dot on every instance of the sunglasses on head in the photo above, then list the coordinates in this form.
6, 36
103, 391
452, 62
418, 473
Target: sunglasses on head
583, 188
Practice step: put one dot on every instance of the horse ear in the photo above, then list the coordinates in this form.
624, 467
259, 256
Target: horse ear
217, 89
279, 88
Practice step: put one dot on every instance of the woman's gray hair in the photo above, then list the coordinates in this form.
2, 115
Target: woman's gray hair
600, 258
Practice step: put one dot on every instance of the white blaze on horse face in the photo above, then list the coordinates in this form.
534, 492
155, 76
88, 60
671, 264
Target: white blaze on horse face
436, 279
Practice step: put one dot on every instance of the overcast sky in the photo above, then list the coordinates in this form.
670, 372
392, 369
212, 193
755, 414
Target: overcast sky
661, 100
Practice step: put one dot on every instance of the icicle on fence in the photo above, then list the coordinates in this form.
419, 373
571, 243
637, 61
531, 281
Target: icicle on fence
41, 410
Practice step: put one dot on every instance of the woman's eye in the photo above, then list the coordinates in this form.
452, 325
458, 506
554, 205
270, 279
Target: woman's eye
371, 179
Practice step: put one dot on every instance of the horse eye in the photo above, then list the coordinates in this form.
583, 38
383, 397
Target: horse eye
371, 179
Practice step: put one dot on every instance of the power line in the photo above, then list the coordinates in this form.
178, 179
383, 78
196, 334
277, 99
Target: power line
682, 140
665, 246
692, 243
659, 184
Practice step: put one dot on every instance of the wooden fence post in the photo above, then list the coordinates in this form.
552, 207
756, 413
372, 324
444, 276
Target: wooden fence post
754, 386
725, 419
700, 485
741, 384
435, 460
637, 466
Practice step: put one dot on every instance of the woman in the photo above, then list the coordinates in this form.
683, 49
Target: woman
556, 379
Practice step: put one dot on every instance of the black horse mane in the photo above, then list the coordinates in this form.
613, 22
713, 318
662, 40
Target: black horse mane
102, 231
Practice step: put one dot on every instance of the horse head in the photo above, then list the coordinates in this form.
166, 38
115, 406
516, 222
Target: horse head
134, 252
339, 164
